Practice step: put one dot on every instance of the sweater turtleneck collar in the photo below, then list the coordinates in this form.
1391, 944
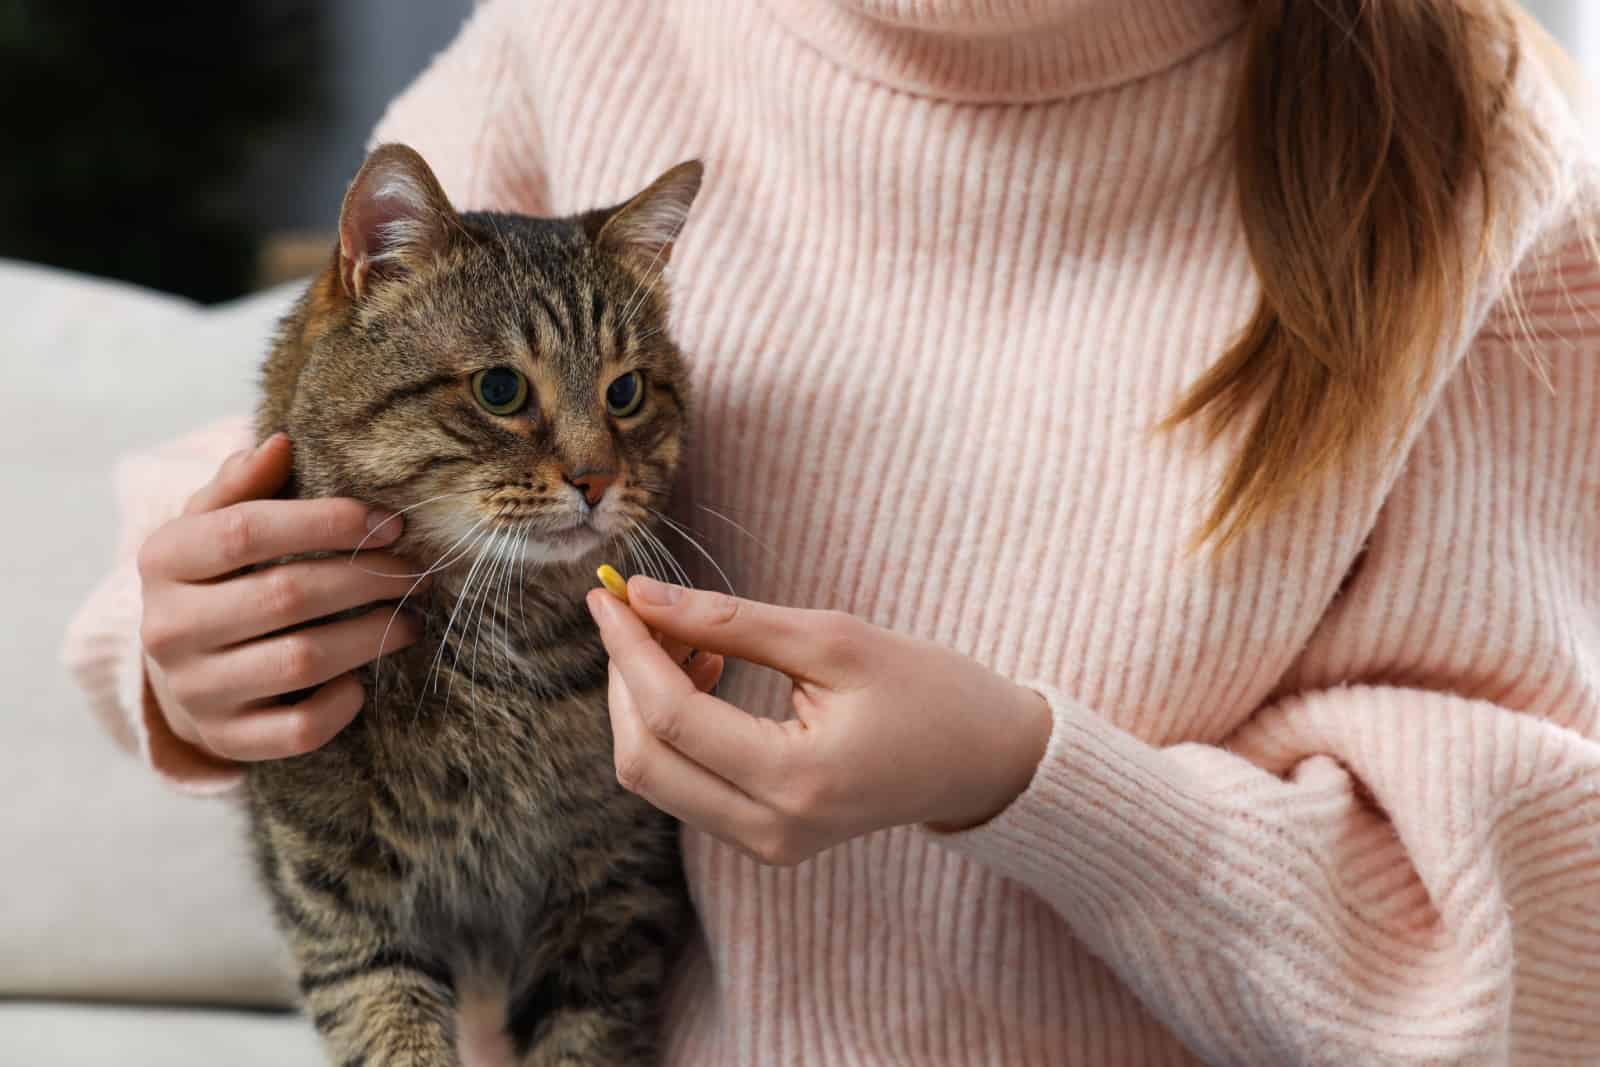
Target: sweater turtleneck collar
1008, 51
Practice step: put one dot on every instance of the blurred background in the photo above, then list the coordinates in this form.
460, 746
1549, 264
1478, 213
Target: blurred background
202, 148
190, 146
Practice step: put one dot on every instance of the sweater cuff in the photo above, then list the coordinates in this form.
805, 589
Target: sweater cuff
1100, 823
101, 650
186, 767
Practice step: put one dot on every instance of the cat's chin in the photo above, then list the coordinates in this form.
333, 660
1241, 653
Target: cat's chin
567, 546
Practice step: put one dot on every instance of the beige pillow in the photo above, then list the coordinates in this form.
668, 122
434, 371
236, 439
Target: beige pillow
114, 886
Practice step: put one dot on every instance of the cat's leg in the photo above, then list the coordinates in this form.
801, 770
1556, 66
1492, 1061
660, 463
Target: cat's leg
375, 1001
564, 1023
596, 1004
380, 1007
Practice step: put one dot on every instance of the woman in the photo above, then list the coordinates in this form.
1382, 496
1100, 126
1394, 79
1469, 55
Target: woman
1184, 413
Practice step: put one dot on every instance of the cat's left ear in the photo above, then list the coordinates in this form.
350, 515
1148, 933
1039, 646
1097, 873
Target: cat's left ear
642, 231
395, 219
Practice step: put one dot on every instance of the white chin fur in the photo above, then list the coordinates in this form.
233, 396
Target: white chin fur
538, 552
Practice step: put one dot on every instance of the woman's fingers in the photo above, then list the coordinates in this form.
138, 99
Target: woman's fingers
265, 601
705, 671
812, 646
703, 668
289, 662
676, 785
218, 543
280, 731
677, 651
721, 738
249, 475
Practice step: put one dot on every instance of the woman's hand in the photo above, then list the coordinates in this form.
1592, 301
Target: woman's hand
888, 730
212, 663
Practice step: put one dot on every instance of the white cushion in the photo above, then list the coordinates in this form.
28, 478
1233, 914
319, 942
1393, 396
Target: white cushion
114, 886
77, 1035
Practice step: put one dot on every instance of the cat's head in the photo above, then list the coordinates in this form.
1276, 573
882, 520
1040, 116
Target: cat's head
507, 379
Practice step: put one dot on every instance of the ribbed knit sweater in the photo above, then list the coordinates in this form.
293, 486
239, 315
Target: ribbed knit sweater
1332, 797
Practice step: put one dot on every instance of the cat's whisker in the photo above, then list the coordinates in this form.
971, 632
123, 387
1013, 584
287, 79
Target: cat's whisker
499, 614
681, 532
635, 564
714, 513
680, 574
500, 545
481, 606
409, 507
475, 613
437, 565
428, 681
507, 579
632, 541
438, 658
486, 601
647, 562
673, 570
630, 565
443, 564
659, 553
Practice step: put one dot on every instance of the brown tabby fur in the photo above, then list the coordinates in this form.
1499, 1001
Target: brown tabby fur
465, 836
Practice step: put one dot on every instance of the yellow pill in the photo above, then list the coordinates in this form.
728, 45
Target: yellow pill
613, 581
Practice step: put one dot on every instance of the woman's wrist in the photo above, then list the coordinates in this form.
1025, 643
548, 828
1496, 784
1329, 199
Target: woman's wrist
1021, 737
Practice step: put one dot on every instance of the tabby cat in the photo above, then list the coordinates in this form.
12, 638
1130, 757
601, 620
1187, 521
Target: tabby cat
459, 866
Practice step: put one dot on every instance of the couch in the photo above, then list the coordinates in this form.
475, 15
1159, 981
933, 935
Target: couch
131, 931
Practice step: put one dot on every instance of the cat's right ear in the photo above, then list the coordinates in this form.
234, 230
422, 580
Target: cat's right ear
395, 219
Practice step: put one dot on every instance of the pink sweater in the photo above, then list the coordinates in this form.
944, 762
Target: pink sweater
953, 258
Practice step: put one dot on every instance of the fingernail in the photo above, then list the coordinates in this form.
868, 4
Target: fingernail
600, 604
262, 447
384, 524
653, 592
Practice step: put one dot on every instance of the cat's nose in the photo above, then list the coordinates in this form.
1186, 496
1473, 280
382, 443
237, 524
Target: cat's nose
591, 483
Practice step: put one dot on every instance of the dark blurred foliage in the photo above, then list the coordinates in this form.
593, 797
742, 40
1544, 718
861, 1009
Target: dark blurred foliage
129, 128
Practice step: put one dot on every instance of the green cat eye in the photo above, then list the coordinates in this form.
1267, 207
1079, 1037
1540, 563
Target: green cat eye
625, 395
501, 390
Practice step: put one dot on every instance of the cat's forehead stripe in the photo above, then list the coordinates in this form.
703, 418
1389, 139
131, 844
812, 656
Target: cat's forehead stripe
597, 311
557, 328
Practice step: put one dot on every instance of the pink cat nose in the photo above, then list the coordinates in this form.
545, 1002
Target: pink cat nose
591, 483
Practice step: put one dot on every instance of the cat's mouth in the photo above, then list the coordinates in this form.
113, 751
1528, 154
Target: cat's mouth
534, 538
564, 544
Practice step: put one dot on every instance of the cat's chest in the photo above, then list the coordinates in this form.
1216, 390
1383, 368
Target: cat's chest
508, 710
481, 751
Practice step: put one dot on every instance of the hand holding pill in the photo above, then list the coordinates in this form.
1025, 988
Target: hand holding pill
887, 730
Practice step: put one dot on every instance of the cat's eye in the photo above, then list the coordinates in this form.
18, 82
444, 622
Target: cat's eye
625, 395
501, 390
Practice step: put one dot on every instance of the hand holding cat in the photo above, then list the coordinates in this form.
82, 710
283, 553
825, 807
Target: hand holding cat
211, 653
888, 730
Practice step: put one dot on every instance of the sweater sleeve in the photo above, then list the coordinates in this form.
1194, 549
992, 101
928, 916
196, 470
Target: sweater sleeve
1397, 859
101, 647
471, 117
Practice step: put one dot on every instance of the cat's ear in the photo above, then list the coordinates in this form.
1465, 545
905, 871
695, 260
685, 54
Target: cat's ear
641, 232
395, 219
